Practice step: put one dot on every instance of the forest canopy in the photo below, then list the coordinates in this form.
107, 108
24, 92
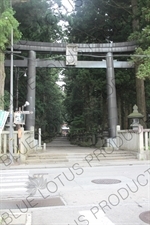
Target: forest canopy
83, 101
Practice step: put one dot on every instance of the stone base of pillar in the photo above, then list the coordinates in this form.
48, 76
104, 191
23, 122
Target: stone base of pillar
112, 142
142, 156
100, 142
147, 152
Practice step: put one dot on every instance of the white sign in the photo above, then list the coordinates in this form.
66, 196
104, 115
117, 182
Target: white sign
25, 112
19, 118
71, 54
3, 118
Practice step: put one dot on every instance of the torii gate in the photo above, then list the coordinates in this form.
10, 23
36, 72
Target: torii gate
72, 51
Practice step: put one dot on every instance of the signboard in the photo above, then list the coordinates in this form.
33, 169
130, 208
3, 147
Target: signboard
3, 119
25, 112
19, 118
71, 54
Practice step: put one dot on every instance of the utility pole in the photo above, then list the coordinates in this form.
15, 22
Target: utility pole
11, 98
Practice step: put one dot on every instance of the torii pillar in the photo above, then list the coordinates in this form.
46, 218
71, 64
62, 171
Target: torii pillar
31, 88
111, 96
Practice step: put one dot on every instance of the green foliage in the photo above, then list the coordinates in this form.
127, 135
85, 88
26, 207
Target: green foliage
96, 21
83, 99
7, 22
38, 21
142, 54
48, 102
4, 4
5, 101
86, 99
100, 21
144, 65
77, 125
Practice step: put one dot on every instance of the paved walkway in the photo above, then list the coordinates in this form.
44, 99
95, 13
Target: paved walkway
59, 142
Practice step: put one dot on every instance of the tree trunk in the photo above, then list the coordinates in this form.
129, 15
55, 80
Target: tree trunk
2, 80
140, 87
135, 21
140, 95
127, 112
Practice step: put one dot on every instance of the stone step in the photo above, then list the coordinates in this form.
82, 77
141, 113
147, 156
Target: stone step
76, 152
60, 151
78, 155
79, 158
83, 162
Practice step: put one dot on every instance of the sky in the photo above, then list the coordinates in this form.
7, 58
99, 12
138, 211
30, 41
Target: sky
68, 8
68, 5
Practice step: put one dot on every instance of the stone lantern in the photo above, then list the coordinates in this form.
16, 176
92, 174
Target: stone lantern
135, 116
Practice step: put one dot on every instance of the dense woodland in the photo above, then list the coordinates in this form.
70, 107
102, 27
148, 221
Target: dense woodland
83, 103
